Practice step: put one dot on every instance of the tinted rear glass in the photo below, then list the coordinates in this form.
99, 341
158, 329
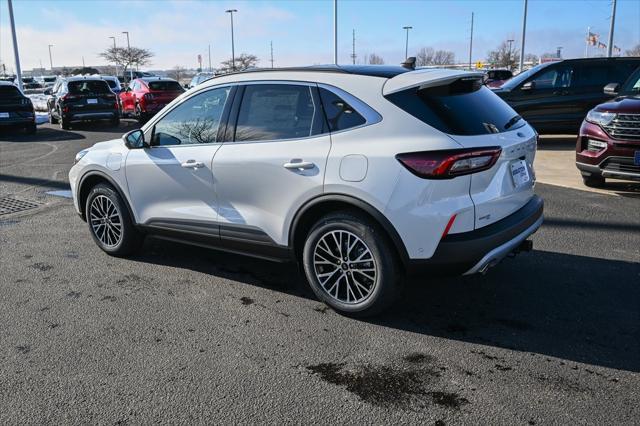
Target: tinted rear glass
112, 84
464, 107
85, 87
167, 86
9, 92
340, 115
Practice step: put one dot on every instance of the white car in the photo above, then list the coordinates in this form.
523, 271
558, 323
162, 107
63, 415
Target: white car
360, 173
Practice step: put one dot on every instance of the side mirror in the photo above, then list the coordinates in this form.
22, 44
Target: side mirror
611, 89
135, 139
528, 86
186, 86
47, 92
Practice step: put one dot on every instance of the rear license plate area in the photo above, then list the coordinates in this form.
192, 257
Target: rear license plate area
520, 173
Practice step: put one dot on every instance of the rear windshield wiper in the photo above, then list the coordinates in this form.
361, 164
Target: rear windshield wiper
513, 121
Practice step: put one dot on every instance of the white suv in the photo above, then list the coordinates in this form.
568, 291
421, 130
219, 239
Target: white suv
360, 173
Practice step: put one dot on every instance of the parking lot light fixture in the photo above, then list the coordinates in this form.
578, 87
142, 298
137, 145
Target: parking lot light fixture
50, 57
406, 45
233, 52
129, 51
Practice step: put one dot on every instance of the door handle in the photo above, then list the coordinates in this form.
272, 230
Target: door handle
192, 164
299, 165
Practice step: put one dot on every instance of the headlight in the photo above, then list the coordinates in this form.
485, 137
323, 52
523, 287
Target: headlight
81, 154
601, 118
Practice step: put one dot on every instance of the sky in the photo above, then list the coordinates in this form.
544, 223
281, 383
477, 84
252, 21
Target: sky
302, 30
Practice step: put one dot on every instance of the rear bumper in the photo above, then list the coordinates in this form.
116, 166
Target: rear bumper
475, 251
94, 115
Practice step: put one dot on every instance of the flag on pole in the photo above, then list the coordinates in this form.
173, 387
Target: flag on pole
593, 38
616, 49
602, 45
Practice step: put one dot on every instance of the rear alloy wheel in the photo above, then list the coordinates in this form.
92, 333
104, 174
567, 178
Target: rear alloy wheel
350, 266
110, 223
593, 181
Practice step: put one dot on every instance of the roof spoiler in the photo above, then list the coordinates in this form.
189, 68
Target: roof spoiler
409, 63
425, 78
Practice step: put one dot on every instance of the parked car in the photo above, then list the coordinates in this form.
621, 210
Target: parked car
358, 172
609, 142
146, 96
46, 80
132, 75
555, 97
15, 108
201, 77
496, 78
81, 98
112, 81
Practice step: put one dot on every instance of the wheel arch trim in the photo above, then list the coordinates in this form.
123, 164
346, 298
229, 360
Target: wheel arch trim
110, 180
378, 216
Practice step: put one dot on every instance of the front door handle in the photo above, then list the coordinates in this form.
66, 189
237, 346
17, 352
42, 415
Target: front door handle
298, 165
192, 164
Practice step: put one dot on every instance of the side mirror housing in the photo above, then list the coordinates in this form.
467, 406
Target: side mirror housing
186, 86
528, 86
134, 139
611, 89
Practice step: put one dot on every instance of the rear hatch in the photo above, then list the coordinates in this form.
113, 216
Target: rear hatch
13, 104
88, 96
163, 91
459, 105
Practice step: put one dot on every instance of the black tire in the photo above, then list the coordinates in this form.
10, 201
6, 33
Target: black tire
30, 129
115, 121
129, 240
593, 181
64, 123
140, 116
52, 119
383, 289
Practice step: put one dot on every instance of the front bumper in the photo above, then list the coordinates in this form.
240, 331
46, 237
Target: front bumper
475, 251
615, 161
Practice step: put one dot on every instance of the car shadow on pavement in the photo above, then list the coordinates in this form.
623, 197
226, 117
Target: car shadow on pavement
572, 307
43, 134
106, 127
43, 182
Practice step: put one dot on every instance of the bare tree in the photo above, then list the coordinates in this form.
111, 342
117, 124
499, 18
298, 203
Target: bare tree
505, 55
530, 57
634, 51
177, 72
428, 56
373, 59
242, 62
127, 57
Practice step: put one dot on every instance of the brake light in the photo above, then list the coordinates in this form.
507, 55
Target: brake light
448, 164
69, 97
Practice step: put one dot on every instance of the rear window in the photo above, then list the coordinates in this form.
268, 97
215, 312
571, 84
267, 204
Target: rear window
340, 115
9, 92
464, 107
167, 86
83, 87
112, 84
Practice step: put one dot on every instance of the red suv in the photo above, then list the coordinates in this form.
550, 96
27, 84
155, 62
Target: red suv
147, 95
609, 142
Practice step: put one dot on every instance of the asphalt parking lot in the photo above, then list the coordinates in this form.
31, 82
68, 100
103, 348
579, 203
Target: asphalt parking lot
180, 334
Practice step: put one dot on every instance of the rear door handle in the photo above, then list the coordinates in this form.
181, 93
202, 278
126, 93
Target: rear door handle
299, 165
192, 164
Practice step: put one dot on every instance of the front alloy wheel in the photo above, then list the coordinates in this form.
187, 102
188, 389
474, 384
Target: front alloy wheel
110, 223
351, 265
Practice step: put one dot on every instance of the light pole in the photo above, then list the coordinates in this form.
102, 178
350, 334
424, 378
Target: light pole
406, 45
233, 49
510, 44
50, 60
129, 52
524, 30
471, 42
15, 46
611, 27
114, 54
335, 32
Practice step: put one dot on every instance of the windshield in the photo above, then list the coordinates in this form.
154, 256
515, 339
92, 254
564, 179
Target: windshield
632, 85
85, 87
167, 86
520, 78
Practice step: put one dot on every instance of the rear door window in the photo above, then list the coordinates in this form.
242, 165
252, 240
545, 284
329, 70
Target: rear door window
464, 107
554, 78
278, 111
340, 115
592, 75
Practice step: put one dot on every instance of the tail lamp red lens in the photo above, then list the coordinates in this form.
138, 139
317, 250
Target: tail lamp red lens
448, 164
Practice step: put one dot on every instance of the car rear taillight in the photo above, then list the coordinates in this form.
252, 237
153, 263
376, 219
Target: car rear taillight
69, 97
148, 96
450, 163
